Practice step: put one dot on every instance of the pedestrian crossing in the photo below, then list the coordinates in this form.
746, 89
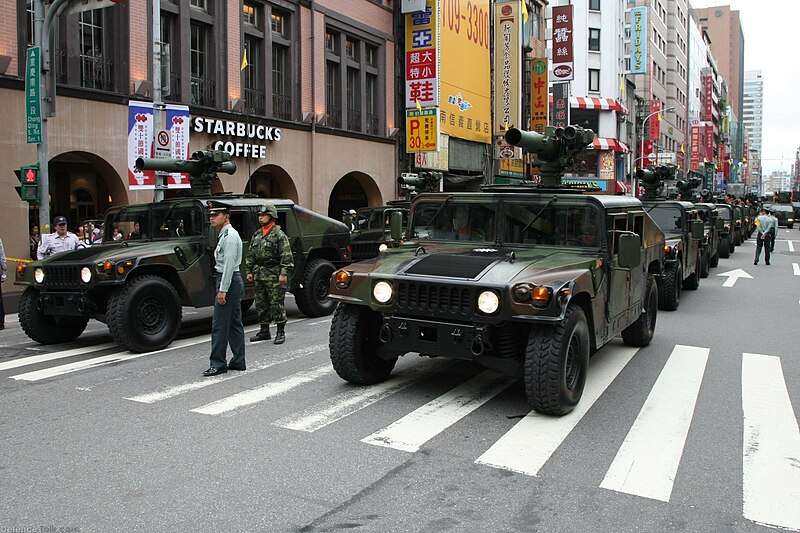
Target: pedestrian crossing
646, 464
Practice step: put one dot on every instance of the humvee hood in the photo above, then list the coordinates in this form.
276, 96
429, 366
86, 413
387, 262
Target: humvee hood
102, 252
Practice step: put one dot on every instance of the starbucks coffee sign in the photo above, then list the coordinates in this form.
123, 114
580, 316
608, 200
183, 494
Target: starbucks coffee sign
245, 137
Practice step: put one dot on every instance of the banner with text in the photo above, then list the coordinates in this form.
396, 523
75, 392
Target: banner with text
140, 143
638, 57
422, 57
539, 97
507, 66
563, 58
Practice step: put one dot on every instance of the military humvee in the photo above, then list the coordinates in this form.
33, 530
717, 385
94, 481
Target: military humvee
727, 233
713, 224
164, 261
373, 229
683, 231
523, 280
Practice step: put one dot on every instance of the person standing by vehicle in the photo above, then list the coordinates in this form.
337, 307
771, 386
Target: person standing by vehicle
58, 242
774, 231
765, 224
269, 262
226, 325
36, 239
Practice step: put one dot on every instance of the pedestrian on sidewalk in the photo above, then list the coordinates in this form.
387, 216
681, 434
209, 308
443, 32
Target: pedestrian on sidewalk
35, 240
3, 276
226, 325
765, 224
269, 263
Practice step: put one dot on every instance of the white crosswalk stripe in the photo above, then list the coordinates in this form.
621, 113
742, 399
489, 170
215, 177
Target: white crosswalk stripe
527, 446
647, 462
771, 445
796, 269
46, 357
421, 425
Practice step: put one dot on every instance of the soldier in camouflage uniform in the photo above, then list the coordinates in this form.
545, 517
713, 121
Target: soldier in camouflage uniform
269, 262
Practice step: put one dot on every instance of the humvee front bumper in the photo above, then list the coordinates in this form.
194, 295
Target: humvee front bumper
400, 335
67, 304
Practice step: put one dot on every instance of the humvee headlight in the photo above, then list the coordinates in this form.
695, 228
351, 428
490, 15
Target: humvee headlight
342, 279
38, 275
382, 291
667, 249
789, 220
383, 247
541, 296
86, 275
488, 302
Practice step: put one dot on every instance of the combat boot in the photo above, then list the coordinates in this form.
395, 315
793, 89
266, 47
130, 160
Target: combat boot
280, 335
262, 335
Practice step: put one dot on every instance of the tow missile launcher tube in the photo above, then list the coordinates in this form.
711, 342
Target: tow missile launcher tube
424, 182
555, 149
652, 179
202, 168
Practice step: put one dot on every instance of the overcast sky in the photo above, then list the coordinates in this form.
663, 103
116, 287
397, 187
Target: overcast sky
769, 27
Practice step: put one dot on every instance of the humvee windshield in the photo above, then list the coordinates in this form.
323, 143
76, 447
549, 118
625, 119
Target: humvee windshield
451, 221
667, 217
153, 222
724, 214
554, 226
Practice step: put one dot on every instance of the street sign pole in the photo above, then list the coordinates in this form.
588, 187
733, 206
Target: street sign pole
42, 38
158, 105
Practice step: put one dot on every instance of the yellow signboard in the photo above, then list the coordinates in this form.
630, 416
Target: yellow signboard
422, 132
465, 77
539, 94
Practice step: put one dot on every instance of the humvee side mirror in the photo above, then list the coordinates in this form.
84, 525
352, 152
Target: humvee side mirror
396, 225
698, 229
719, 224
630, 250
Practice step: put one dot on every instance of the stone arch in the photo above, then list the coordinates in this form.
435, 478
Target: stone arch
77, 175
272, 181
352, 191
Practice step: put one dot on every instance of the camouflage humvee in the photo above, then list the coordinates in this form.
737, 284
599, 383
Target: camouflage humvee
727, 232
709, 250
528, 282
373, 228
137, 285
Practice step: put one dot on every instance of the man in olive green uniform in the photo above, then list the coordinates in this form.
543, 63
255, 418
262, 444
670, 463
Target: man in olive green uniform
269, 263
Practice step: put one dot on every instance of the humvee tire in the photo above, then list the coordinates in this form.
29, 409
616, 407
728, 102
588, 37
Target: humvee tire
312, 296
47, 329
556, 361
641, 332
354, 342
725, 247
713, 261
692, 283
705, 266
669, 292
153, 305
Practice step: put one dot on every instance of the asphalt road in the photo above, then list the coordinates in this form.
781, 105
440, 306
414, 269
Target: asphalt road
696, 432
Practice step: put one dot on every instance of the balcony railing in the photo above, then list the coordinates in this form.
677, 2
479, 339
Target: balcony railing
203, 91
96, 72
282, 106
354, 119
60, 66
334, 116
174, 94
254, 101
372, 124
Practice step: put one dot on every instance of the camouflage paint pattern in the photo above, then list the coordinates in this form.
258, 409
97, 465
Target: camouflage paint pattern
269, 257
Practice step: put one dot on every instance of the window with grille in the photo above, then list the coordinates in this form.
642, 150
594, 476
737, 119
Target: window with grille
594, 39
278, 24
199, 4
250, 14
594, 5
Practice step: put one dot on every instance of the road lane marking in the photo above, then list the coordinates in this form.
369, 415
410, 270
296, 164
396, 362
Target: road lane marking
647, 462
527, 446
34, 359
355, 399
771, 445
791, 246
796, 269
418, 427
259, 394
177, 390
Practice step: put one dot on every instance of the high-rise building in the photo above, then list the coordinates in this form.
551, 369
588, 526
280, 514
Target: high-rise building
727, 45
754, 106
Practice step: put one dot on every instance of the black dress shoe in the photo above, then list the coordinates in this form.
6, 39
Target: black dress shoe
237, 367
214, 371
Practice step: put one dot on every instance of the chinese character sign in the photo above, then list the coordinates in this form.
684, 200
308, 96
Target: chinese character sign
563, 59
709, 134
539, 96
507, 66
708, 104
422, 57
694, 144
140, 143
560, 114
178, 126
639, 40
655, 120
33, 109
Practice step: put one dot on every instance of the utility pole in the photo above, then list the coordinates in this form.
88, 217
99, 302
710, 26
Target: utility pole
158, 105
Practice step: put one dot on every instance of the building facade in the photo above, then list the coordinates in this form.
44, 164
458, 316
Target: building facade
754, 117
322, 74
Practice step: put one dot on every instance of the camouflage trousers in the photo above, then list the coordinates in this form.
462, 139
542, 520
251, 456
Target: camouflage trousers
269, 301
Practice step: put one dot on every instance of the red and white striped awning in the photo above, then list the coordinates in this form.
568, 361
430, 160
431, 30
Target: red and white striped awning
590, 102
608, 143
622, 188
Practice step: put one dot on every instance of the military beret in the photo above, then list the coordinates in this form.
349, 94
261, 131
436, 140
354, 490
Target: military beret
216, 207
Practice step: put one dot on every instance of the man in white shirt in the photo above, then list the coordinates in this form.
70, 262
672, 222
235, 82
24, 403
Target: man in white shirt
58, 242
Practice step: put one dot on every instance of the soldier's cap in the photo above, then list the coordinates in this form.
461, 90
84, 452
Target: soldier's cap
216, 207
268, 209
59, 220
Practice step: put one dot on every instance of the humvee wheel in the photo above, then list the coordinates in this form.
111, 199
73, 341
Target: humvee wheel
725, 248
705, 267
669, 291
354, 342
145, 315
640, 333
713, 261
312, 297
556, 360
47, 329
692, 283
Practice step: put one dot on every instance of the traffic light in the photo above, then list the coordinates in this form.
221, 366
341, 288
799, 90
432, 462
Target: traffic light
28, 188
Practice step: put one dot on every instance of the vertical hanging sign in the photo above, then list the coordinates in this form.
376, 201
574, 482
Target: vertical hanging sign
33, 103
539, 96
560, 115
422, 57
563, 58
655, 120
507, 75
638, 40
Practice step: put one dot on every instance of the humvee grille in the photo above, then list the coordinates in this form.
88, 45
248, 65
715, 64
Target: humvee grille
438, 299
62, 277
